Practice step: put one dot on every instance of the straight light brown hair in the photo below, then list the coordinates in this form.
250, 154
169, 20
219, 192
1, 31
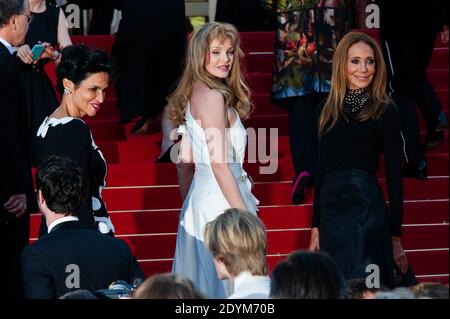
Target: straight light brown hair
333, 109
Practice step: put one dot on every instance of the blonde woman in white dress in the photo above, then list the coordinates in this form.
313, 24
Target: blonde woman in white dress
208, 104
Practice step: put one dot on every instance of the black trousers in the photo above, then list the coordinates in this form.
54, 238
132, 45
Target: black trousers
14, 235
101, 19
407, 60
302, 130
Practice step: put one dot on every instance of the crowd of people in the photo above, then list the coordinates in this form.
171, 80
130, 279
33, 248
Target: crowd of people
342, 118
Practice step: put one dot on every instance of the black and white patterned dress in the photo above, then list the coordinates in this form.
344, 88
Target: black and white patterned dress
72, 138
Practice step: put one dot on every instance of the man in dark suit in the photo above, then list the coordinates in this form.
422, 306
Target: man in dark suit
71, 257
16, 182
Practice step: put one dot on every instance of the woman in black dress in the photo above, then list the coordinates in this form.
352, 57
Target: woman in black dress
82, 78
47, 26
148, 67
358, 122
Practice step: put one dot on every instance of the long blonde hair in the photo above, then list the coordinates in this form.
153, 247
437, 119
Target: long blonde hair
378, 98
234, 89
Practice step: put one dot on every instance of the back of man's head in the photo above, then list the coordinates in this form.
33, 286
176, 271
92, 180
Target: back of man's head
307, 275
8, 8
62, 185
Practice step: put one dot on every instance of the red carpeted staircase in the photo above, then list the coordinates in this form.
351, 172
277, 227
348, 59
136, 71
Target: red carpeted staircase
143, 199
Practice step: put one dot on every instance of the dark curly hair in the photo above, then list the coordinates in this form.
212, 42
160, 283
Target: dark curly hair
8, 8
62, 184
78, 61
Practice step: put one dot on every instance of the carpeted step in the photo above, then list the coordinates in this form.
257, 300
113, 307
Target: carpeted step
103, 42
112, 130
106, 127
424, 262
106, 130
420, 261
149, 174
441, 279
147, 149
108, 111
257, 41
261, 101
439, 59
438, 78
284, 241
275, 193
282, 217
259, 62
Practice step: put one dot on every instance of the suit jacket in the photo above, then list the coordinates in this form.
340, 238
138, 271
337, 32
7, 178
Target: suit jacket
15, 171
71, 254
14, 166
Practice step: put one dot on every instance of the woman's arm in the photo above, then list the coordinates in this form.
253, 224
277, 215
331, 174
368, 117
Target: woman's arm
392, 146
213, 116
63, 39
315, 222
185, 166
63, 33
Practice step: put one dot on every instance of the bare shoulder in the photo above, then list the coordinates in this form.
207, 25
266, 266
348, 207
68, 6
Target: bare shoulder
206, 101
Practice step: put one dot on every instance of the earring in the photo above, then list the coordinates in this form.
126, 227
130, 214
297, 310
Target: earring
67, 91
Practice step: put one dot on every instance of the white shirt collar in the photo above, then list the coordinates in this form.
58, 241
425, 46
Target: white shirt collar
7, 45
61, 220
246, 285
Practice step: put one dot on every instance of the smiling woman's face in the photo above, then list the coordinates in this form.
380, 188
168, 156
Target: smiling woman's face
90, 94
220, 58
360, 66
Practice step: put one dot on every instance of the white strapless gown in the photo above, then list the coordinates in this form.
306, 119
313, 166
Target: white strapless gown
204, 203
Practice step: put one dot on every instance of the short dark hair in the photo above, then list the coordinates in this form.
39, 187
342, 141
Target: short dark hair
62, 184
78, 61
8, 8
307, 275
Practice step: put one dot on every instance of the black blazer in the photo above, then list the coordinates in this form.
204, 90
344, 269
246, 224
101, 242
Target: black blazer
48, 264
15, 171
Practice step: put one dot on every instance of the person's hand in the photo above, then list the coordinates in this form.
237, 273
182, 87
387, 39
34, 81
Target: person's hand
49, 53
399, 255
444, 35
314, 241
16, 204
24, 54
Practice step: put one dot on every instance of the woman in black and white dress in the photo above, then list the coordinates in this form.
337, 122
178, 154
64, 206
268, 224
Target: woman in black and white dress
82, 78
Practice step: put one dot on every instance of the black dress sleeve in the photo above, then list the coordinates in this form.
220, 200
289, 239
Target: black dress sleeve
392, 146
77, 135
15, 171
320, 172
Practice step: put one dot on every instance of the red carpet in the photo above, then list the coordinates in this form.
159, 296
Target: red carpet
144, 202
